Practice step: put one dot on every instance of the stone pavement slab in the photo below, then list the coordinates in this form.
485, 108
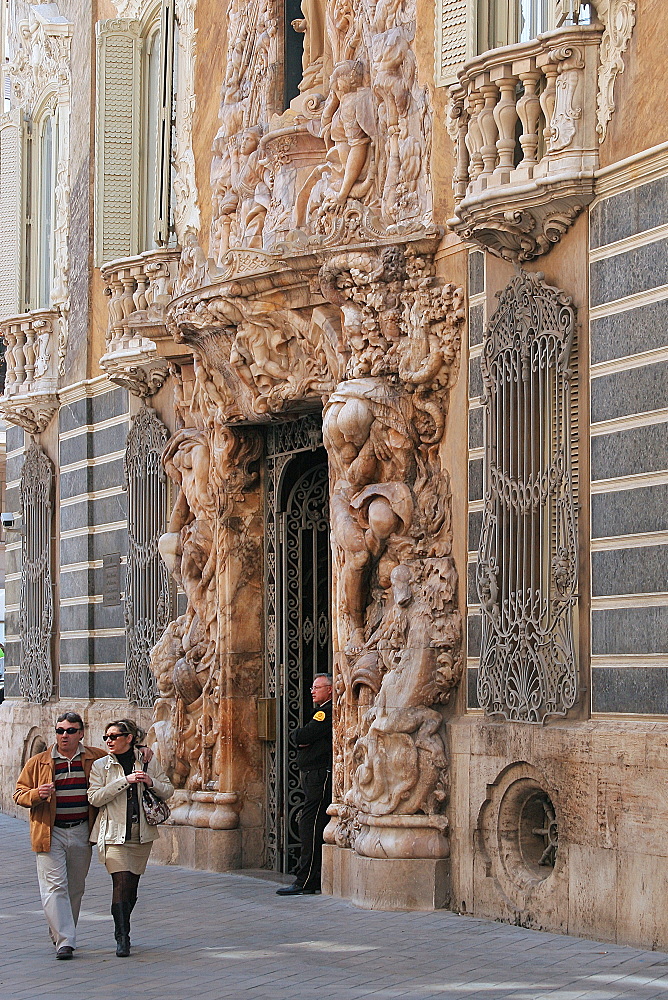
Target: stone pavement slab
203, 936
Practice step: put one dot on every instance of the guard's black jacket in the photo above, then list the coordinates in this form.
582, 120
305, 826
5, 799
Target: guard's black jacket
316, 737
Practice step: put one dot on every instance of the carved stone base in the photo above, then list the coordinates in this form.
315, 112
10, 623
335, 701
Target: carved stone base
375, 884
202, 848
217, 810
406, 837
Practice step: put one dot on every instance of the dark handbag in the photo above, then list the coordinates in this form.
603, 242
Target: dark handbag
155, 810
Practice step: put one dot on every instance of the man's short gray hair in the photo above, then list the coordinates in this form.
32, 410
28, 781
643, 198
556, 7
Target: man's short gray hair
327, 677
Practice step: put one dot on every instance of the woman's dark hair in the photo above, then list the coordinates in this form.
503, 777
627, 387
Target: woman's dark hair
72, 717
127, 726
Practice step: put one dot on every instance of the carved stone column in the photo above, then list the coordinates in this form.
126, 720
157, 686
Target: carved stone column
398, 628
207, 673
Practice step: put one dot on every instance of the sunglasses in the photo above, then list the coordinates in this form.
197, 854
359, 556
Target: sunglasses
71, 730
114, 736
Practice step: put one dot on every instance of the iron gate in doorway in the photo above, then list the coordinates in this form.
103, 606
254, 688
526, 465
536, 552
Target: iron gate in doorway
297, 610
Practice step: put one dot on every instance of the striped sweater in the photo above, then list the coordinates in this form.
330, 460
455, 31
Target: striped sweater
71, 789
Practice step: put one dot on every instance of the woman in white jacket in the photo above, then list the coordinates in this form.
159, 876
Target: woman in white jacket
124, 838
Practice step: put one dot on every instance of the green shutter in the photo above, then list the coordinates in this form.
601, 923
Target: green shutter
117, 189
455, 30
164, 157
11, 201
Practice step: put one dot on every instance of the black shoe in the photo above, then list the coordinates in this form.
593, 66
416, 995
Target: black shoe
121, 914
65, 952
296, 890
123, 946
291, 890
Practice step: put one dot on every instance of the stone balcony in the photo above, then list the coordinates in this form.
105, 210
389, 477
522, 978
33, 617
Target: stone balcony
139, 289
33, 354
523, 121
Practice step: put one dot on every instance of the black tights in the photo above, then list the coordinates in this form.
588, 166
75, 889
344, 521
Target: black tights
124, 887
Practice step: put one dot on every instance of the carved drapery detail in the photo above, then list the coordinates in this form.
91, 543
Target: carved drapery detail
527, 562
147, 589
509, 196
36, 598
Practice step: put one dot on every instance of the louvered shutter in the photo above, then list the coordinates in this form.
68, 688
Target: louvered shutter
164, 157
10, 214
455, 29
119, 51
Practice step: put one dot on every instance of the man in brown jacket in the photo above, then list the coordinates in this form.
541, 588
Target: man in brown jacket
53, 785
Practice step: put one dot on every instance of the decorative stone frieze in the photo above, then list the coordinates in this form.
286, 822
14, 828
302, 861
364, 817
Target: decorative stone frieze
349, 160
518, 196
139, 289
34, 347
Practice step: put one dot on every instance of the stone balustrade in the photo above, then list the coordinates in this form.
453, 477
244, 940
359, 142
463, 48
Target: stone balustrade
523, 121
139, 289
32, 354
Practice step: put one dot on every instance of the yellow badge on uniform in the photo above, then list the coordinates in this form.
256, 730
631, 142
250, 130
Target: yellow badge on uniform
319, 716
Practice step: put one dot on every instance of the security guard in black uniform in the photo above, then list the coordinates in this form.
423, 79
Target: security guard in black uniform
314, 760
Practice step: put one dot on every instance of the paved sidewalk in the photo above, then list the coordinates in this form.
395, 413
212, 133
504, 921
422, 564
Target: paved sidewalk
201, 936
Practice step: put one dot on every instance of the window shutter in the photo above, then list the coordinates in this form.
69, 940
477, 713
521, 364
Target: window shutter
164, 159
455, 26
119, 49
10, 214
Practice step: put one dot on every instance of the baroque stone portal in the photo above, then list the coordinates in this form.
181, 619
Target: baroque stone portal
319, 293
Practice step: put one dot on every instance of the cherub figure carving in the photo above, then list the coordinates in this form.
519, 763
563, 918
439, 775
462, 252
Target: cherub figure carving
348, 122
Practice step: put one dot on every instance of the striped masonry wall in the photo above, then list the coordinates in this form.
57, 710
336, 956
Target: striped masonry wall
629, 448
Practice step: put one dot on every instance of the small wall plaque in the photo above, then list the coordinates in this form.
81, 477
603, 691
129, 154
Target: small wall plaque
111, 579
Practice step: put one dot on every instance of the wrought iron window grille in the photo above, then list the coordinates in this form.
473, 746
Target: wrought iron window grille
526, 575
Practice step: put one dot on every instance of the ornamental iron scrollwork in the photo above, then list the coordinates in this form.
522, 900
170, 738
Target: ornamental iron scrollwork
284, 442
527, 562
147, 591
36, 599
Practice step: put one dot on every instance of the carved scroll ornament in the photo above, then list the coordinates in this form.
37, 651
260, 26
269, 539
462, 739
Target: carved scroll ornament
264, 351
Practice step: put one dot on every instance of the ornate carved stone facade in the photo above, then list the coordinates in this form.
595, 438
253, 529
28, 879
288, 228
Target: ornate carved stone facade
373, 443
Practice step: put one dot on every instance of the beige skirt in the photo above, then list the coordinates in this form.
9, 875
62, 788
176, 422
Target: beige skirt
128, 857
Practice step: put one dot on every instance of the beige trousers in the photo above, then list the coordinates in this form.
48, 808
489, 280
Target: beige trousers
62, 877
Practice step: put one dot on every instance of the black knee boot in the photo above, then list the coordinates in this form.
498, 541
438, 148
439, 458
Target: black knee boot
121, 914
